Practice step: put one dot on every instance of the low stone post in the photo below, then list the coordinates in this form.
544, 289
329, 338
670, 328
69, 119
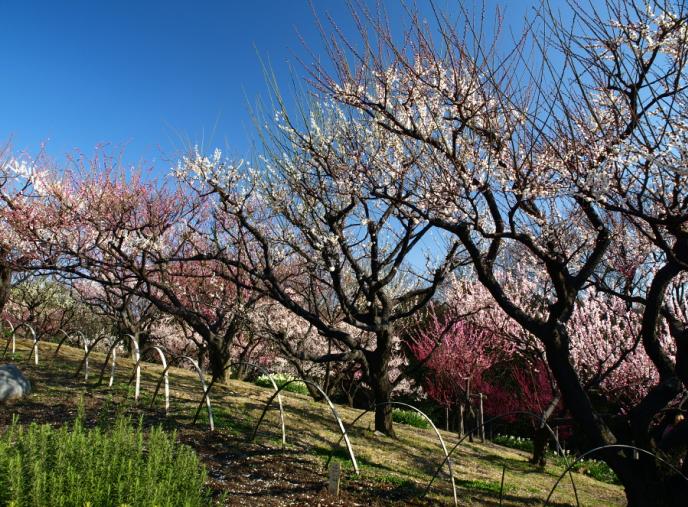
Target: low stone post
335, 475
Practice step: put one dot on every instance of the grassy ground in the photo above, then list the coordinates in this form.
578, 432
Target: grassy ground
262, 472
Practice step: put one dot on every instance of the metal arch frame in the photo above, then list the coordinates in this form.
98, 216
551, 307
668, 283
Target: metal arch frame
59, 344
508, 414
84, 361
439, 436
35, 341
203, 385
10, 338
199, 372
84, 340
332, 408
137, 368
163, 376
85, 344
611, 446
274, 385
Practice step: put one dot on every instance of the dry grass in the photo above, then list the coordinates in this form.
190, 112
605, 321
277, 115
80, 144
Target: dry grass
399, 470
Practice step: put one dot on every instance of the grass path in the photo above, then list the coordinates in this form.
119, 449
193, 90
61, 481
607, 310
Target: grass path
263, 473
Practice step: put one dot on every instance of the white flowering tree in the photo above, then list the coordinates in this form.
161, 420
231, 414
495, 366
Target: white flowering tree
539, 150
322, 240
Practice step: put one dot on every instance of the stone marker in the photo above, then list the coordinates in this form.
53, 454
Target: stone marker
335, 474
13, 385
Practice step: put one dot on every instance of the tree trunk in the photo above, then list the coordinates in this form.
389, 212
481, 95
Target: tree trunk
5, 284
382, 391
471, 421
219, 356
542, 434
378, 370
645, 480
540, 439
643, 491
383, 417
201, 355
574, 396
241, 372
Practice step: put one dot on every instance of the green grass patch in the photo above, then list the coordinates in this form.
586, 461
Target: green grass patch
41, 466
281, 379
596, 469
397, 481
520, 443
482, 485
410, 417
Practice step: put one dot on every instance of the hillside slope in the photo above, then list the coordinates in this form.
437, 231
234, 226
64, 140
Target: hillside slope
262, 472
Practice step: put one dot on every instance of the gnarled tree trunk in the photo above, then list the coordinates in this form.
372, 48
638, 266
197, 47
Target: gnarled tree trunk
378, 372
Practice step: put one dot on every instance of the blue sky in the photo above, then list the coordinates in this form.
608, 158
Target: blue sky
151, 76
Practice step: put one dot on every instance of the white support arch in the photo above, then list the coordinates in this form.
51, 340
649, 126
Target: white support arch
338, 419
113, 356
34, 348
112, 353
66, 336
137, 367
201, 377
88, 347
164, 377
10, 339
274, 385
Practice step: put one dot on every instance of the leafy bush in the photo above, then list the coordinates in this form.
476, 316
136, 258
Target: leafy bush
522, 444
281, 379
596, 469
409, 417
41, 465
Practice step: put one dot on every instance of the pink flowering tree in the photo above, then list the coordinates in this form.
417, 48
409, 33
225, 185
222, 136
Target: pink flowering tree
133, 238
128, 312
19, 177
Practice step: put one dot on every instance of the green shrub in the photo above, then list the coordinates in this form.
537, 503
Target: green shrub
41, 466
596, 469
281, 379
410, 417
520, 443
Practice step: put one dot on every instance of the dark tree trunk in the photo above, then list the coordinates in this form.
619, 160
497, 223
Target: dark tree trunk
220, 350
471, 421
378, 366
241, 372
542, 435
540, 439
383, 413
644, 491
574, 396
143, 339
5, 284
201, 355
219, 357
313, 392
